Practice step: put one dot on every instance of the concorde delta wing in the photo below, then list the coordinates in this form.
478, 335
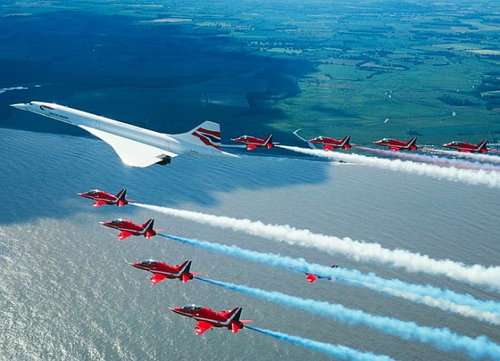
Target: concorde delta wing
131, 152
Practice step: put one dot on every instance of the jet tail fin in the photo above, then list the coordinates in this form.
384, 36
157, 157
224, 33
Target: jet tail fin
149, 224
207, 132
268, 143
207, 139
345, 142
121, 197
411, 142
184, 270
236, 323
234, 314
482, 146
185, 266
121, 194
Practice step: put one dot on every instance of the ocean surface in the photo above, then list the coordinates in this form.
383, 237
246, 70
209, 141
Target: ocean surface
66, 292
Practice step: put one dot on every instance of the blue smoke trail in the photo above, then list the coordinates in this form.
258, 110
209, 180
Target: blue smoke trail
338, 351
441, 338
343, 274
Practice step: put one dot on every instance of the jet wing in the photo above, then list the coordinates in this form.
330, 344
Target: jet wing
251, 146
131, 152
157, 278
202, 327
310, 278
98, 203
123, 235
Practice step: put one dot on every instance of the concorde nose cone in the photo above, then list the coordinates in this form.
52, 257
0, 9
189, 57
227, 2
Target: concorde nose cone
21, 106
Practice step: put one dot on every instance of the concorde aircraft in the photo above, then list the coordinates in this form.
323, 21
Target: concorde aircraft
136, 147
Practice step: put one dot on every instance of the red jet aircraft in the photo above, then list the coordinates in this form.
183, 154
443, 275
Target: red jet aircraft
253, 142
129, 228
330, 143
468, 147
395, 145
101, 198
162, 270
310, 277
208, 318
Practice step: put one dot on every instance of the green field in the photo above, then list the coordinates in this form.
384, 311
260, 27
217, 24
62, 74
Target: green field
377, 69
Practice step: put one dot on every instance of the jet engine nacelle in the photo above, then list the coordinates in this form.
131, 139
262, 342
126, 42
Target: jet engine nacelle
165, 160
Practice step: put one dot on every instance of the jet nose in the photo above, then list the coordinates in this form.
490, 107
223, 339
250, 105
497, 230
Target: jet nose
22, 106
175, 309
135, 264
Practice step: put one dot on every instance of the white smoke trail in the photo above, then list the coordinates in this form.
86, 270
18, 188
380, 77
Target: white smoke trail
474, 177
433, 159
3, 90
360, 251
477, 156
488, 311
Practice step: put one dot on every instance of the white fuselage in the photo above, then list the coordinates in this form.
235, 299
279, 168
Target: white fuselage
136, 146
83, 119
